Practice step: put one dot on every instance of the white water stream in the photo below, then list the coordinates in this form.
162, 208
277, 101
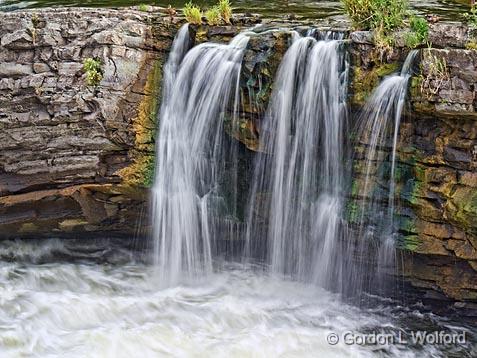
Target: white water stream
71, 308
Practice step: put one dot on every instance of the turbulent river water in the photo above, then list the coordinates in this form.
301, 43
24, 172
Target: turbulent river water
64, 299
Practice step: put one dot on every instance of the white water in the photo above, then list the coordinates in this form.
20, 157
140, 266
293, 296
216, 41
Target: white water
301, 174
199, 89
67, 309
380, 121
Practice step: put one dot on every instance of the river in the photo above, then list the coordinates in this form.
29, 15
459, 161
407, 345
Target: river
64, 298
312, 9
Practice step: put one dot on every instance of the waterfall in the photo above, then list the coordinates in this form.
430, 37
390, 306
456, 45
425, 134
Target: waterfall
200, 90
298, 178
378, 125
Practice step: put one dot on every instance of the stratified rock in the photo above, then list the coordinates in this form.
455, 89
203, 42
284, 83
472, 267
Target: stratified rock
77, 158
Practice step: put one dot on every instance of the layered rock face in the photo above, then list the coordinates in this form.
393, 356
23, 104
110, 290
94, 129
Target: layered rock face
436, 193
438, 153
73, 157
77, 160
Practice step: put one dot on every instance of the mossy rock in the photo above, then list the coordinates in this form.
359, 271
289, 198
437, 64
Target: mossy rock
365, 81
141, 171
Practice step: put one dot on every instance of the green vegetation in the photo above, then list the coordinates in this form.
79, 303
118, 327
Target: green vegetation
93, 70
419, 32
471, 45
471, 18
35, 20
384, 18
192, 13
437, 74
382, 15
143, 7
222, 12
213, 16
225, 8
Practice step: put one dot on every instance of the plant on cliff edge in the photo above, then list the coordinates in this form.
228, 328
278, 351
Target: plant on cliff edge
213, 16
143, 7
93, 70
437, 74
471, 18
384, 17
225, 9
419, 32
192, 13
387, 15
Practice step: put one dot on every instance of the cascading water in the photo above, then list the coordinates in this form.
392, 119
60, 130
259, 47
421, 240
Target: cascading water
198, 94
377, 127
299, 175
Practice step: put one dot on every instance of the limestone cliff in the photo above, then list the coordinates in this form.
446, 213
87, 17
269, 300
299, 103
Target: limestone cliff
436, 192
77, 159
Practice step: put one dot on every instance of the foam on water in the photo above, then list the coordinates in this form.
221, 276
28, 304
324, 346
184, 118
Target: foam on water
107, 310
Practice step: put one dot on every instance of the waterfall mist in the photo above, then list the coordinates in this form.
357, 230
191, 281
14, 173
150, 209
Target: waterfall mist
200, 91
295, 221
298, 180
377, 131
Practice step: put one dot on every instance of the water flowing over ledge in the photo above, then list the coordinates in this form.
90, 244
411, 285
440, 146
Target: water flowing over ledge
299, 176
107, 133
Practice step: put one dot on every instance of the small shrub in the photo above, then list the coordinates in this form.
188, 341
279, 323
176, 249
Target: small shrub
471, 18
411, 39
471, 45
192, 13
143, 7
437, 74
388, 15
225, 9
93, 70
213, 16
419, 32
35, 20
383, 42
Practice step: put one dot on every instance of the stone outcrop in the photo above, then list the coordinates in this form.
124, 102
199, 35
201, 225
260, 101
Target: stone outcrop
77, 160
436, 191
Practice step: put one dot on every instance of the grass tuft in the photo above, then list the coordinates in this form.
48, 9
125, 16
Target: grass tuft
225, 8
213, 16
192, 13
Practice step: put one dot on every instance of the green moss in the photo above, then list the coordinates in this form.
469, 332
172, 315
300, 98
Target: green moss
364, 82
464, 210
141, 171
353, 212
471, 45
410, 242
